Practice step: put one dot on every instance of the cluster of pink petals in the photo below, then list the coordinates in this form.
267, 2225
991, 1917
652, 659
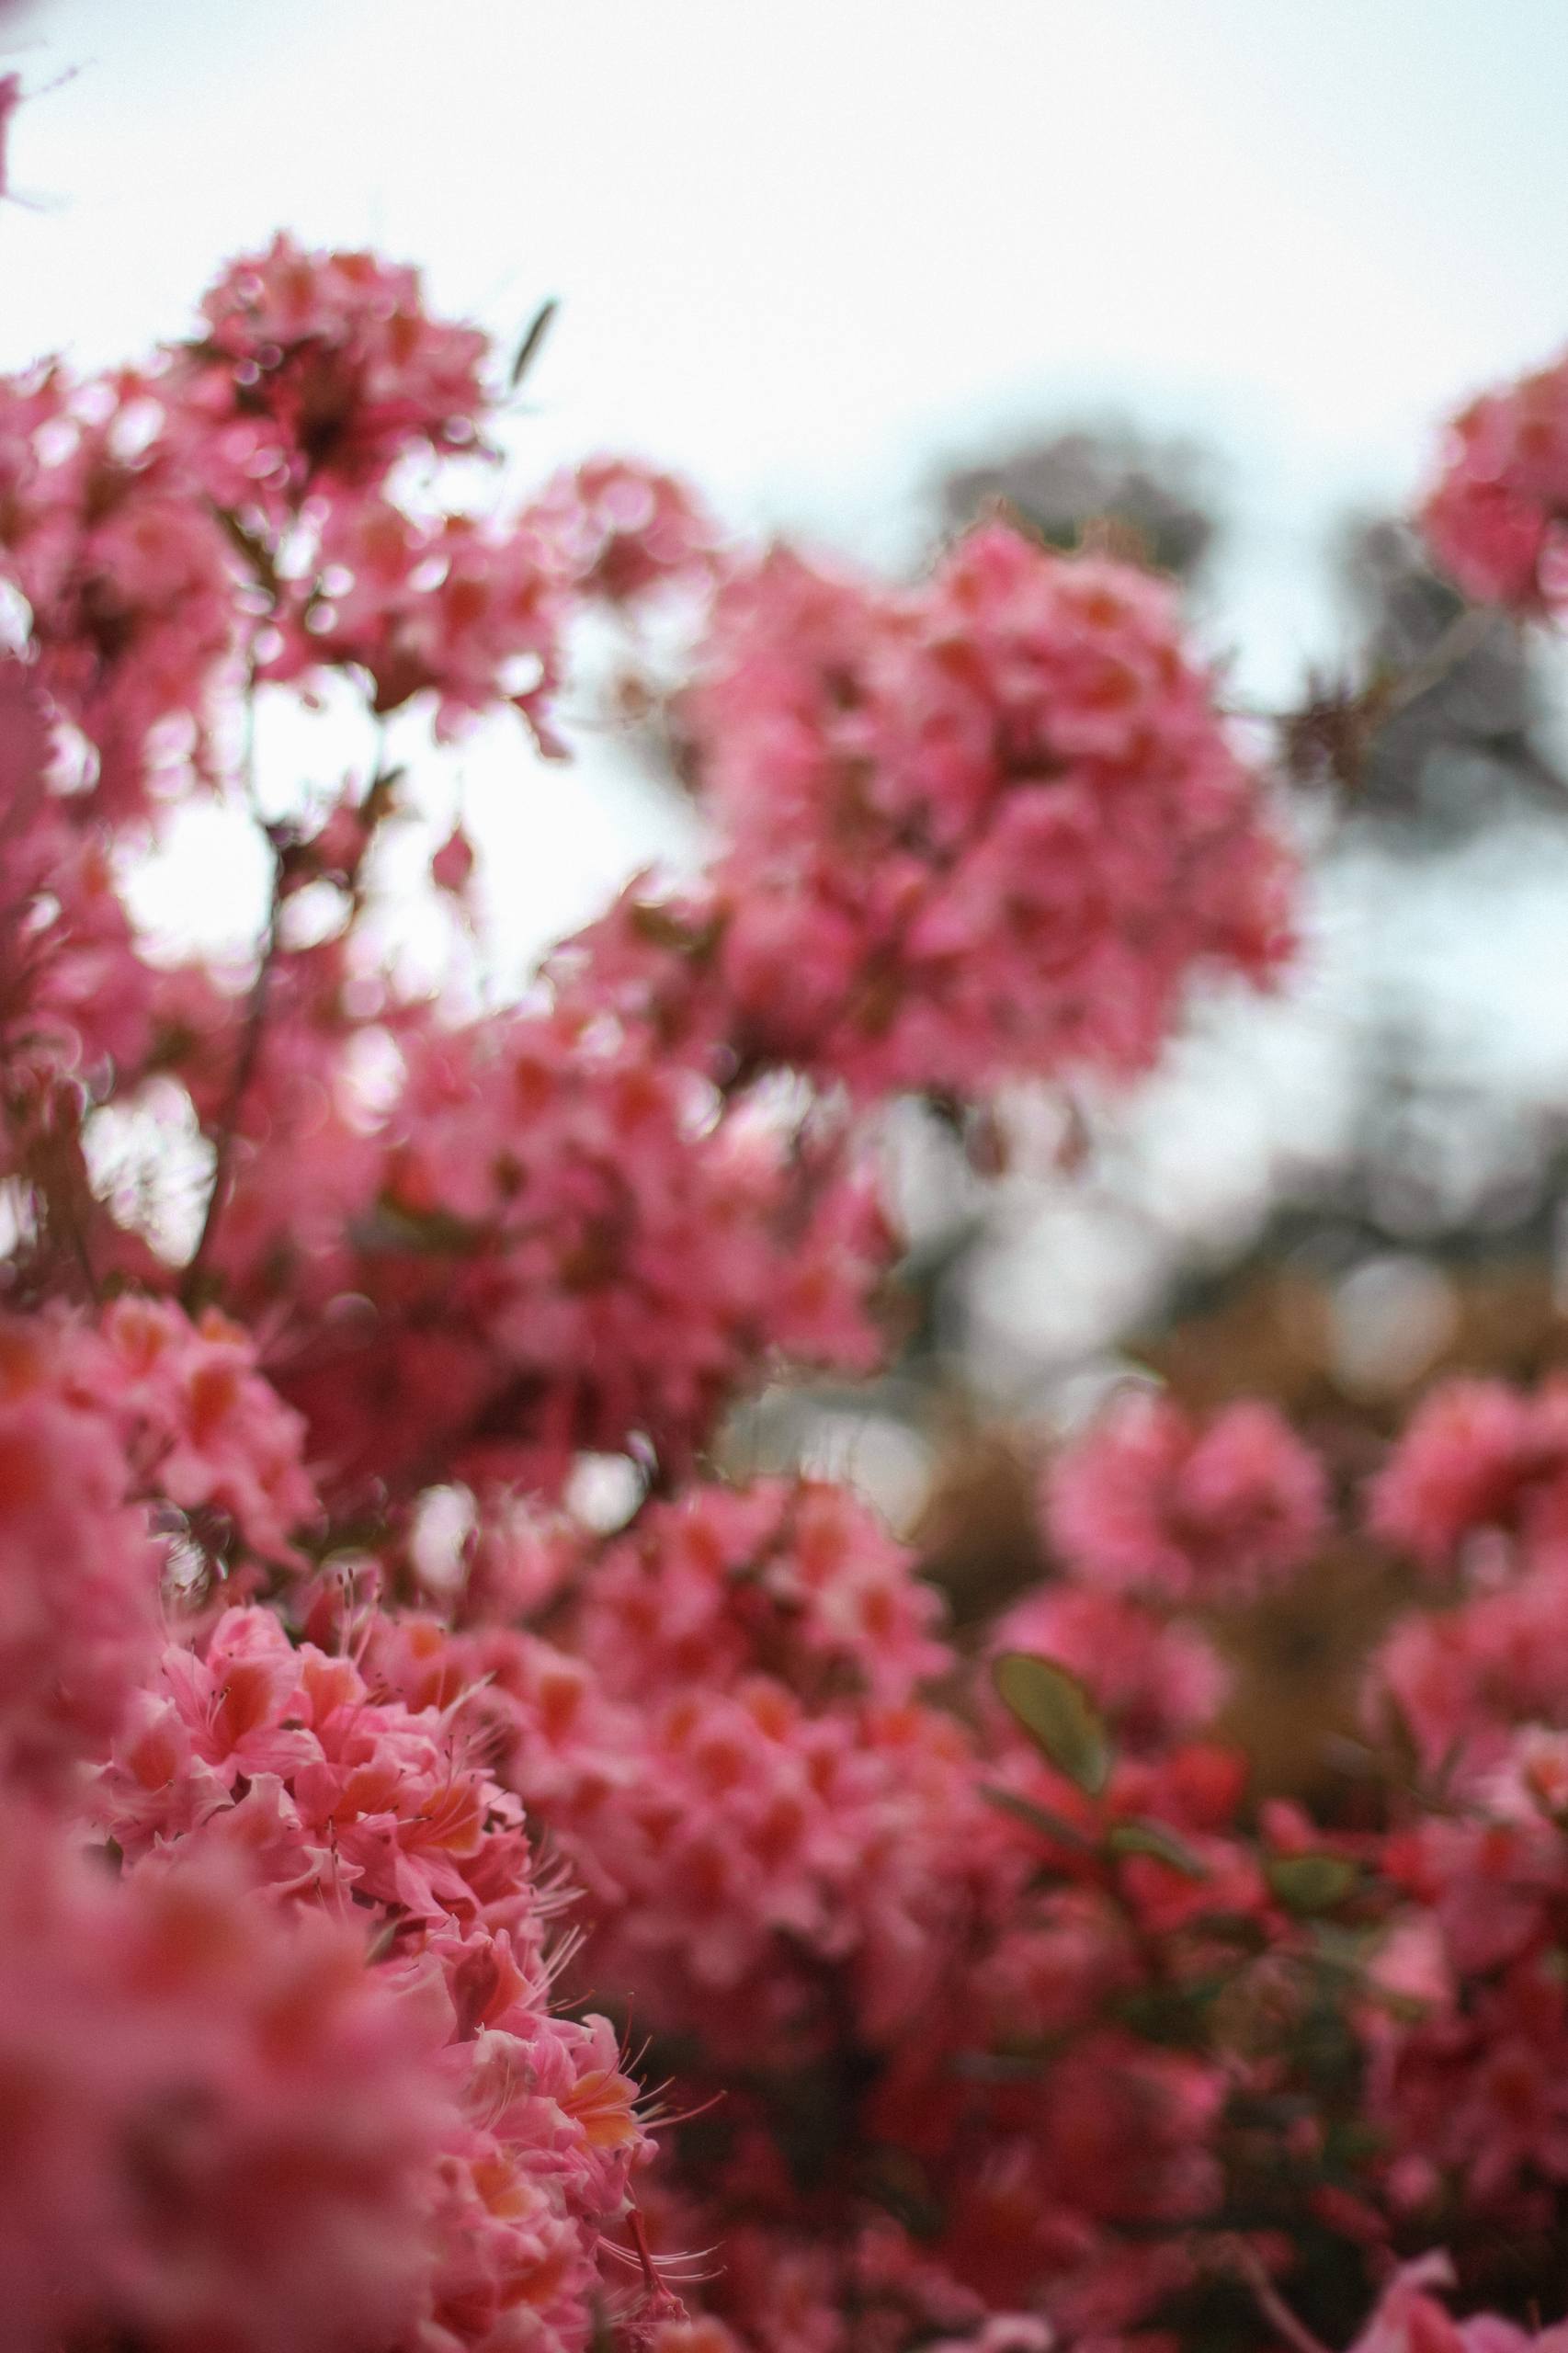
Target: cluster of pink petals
1462, 1679
1149, 1502
988, 828
201, 1427
1072, 2197
232, 505
772, 1863
1494, 517
131, 585
1467, 2032
284, 1761
73, 995
1155, 1682
1410, 2319
569, 1242
1478, 1459
794, 1578
740, 1806
78, 1571
220, 2126
318, 369
618, 531
467, 612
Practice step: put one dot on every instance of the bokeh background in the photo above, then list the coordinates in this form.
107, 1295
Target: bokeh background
1214, 272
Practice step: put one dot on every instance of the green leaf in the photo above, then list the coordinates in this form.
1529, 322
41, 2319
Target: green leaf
1310, 1882
1054, 1826
1058, 1716
1154, 1838
533, 336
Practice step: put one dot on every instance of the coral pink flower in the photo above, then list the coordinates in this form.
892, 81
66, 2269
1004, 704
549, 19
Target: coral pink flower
1493, 516
991, 827
1155, 1682
1146, 1501
1477, 1455
78, 1573
219, 2126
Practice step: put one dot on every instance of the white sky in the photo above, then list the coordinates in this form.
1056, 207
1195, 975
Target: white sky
807, 248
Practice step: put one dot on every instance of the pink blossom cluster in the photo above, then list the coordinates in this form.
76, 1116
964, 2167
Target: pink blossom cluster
132, 589
619, 532
1493, 516
239, 509
1409, 2318
1479, 1462
1155, 1679
78, 1570
1147, 1502
313, 368
72, 994
729, 1747
1466, 2028
219, 2126
560, 1241
280, 1754
1467, 2023
464, 610
1476, 1491
988, 828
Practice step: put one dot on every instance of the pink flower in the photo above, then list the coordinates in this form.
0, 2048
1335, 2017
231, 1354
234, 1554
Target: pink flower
1493, 514
990, 828
219, 2126
1154, 1683
1409, 2319
78, 1572
323, 368
618, 530
202, 1425
1477, 1455
1147, 1501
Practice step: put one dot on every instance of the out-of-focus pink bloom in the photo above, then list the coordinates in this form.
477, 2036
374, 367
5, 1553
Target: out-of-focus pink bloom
987, 828
616, 531
219, 2126
794, 1577
1477, 1457
1493, 516
201, 1425
78, 1573
1147, 1501
1409, 2319
466, 612
1462, 1678
563, 1240
325, 369
1156, 1683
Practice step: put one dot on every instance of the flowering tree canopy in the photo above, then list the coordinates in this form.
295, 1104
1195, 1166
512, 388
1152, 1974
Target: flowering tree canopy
432, 1922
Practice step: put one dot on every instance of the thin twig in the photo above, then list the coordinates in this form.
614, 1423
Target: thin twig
1467, 632
239, 1085
1272, 2305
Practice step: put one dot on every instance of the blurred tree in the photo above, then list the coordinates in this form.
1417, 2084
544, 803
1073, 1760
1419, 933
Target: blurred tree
1153, 498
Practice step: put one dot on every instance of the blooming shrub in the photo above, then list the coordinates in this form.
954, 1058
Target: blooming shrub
529, 1939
